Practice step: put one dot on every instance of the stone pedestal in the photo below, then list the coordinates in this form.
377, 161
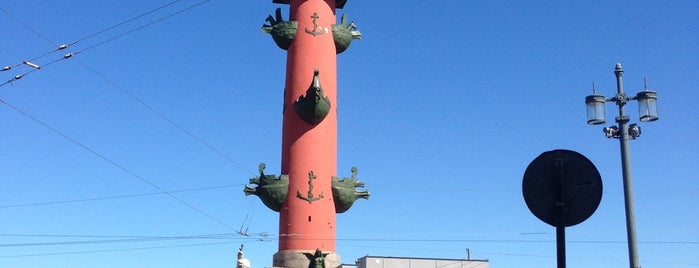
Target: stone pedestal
303, 258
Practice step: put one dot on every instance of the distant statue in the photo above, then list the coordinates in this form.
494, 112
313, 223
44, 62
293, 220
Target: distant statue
242, 262
317, 259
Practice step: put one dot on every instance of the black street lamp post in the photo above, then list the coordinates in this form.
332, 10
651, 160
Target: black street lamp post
648, 112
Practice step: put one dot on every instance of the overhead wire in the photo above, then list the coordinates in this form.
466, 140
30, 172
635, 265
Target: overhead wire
145, 25
115, 164
115, 85
26, 26
232, 242
113, 236
118, 250
114, 239
167, 119
66, 45
69, 55
117, 240
126, 21
118, 196
247, 220
141, 238
365, 242
163, 192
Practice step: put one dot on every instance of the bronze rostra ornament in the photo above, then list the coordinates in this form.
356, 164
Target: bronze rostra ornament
344, 193
283, 32
313, 107
270, 189
344, 33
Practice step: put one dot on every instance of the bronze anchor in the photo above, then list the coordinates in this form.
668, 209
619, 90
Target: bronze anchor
315, 31
309, 197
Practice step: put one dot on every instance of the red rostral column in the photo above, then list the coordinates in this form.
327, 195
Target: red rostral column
307, 225
308, 194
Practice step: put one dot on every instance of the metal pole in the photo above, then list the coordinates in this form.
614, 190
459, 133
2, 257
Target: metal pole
561, 226
626, 169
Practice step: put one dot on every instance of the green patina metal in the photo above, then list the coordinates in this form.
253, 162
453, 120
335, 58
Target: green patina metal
270, 189
283, 32
344, 192
310, 197
317, 259
313, 107
343, 34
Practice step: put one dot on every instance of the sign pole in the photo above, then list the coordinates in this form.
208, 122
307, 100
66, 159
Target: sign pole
561, 227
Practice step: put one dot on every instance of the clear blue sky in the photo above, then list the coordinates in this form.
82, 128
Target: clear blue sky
442, 105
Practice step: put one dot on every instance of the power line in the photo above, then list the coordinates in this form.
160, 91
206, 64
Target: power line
121, 238
108, 239
144, 239
117, 240
115, 85
70, 55
115, 236
163, 117
25, 25
246, 221
124, 239
119, 250
118, 196
146, 25
64, 46
126, 21
460, 240
144, 180
132, 97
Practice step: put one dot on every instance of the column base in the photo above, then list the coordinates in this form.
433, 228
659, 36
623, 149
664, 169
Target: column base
303, 258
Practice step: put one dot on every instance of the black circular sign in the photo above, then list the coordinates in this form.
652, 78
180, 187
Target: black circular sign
562, 183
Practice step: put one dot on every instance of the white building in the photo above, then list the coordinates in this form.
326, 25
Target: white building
403, 262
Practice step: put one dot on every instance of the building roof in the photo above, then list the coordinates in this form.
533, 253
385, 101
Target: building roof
421, 258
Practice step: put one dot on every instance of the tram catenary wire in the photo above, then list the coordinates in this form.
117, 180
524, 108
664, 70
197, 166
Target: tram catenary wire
65, 46
115, 164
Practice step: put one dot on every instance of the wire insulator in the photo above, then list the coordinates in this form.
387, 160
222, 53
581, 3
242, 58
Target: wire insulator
6, 68
19, 76
35, 66
64, 46
68, 55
